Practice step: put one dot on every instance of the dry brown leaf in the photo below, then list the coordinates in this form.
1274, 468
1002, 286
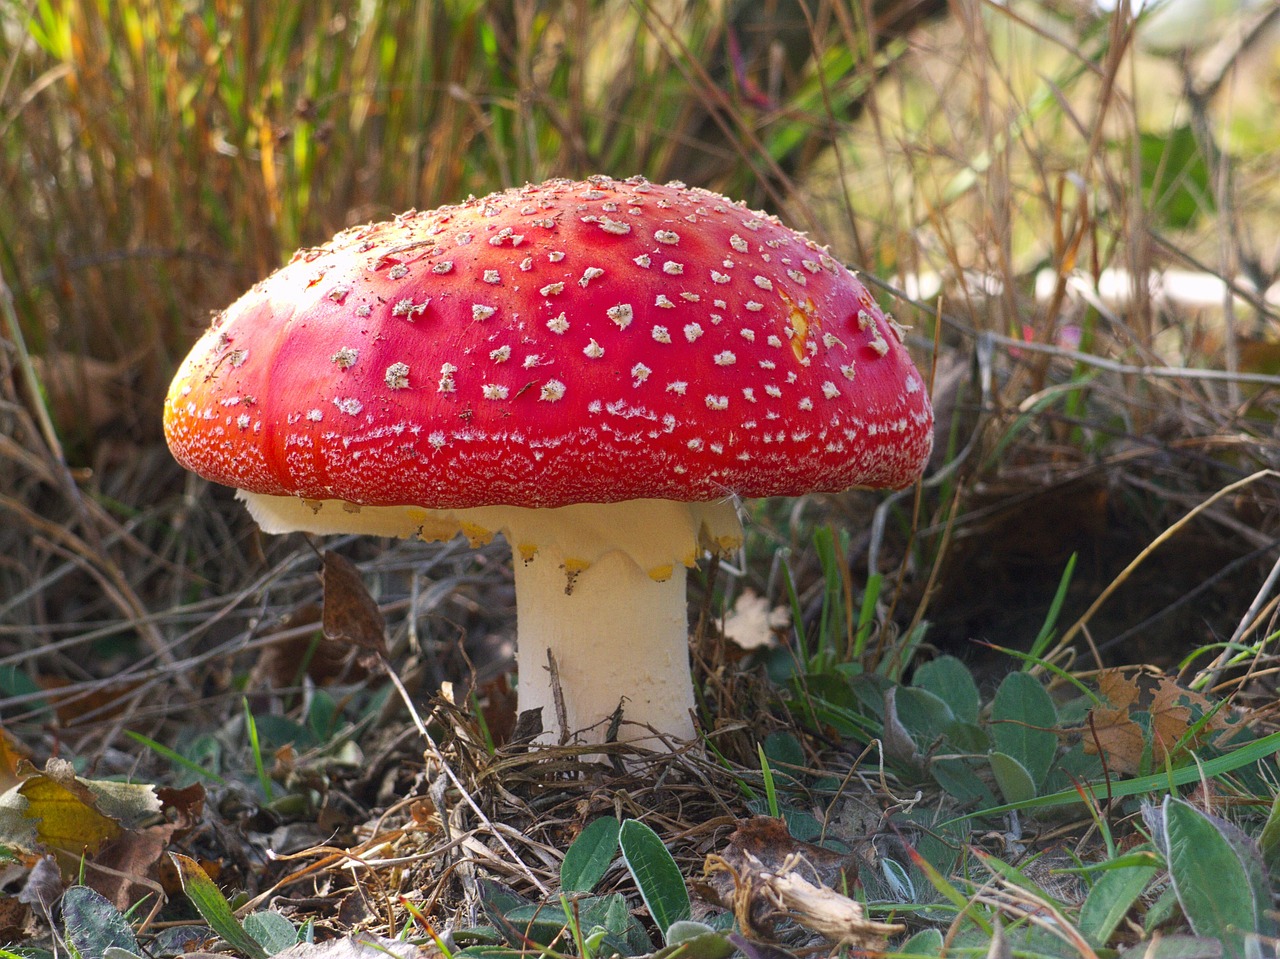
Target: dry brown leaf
350, 613
762, 896
1169, 710
765, 874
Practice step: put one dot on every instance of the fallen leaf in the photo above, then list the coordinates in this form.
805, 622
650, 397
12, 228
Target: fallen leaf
1146, 719
752, 624
350, 613
762, 896
359, 946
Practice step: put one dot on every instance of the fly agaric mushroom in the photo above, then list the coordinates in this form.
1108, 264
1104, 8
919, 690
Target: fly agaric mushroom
596, 370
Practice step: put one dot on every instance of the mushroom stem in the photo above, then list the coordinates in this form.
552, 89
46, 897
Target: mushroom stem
599, 586
617, 638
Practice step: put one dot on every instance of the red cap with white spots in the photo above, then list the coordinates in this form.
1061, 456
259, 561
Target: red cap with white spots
569, 342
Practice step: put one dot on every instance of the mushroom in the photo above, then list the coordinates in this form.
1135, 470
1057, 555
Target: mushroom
596, 370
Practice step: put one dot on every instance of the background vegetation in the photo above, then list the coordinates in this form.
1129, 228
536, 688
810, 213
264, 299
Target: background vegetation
1033, 186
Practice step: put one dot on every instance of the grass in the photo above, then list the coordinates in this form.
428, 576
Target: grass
156, 158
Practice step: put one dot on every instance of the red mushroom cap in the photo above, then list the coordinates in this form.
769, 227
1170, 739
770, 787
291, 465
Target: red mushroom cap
569, 342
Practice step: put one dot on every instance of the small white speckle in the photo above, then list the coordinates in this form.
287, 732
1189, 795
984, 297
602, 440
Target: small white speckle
773, 391
345, 358
773, 340
642, 261
349, 405
695, 444
880, 345
397, 376
243, 421
805, 404
678, 387
436, 439
690, 297
364, 309
532, 360
398, 272
753, 306
749, 393
555, 256
494, 391
480, 312
616, 227
526, 264
594, 350
912, 385
717, 402
725, 358
715, 318
621, 314
768, 365
595, 406
798, 277
830, 390
552, 289
670, 237
589, 274
640, 373
738, 243
848, 371
810, 265
446, 378
558, 324
315, 415
237, 357
748, 334
492, 276
673, 268
865, 322
501, 354
664, 302
752, 224
831, 341
408, 309
692, 331
552, 390
719, 277
444, 266
661, 334
763, 282
463, 239
338, 293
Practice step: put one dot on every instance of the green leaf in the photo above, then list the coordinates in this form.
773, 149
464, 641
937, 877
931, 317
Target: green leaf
950, 680
1211, 882
213, 906
1016, 784
1269, 840
1022, 721
655, 873
1110, 900
1175, 177
925, 716
588, 858
695, 940
94, 924
273, 931
926, 942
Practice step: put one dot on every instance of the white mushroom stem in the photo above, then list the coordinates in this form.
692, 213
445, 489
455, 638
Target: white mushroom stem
618, 639
601, 587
